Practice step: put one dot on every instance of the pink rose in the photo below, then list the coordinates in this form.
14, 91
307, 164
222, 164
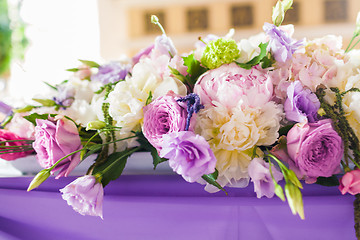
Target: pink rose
350, 182
55, 140
163, 115
85, 195
230, 84
315, 148
23, 148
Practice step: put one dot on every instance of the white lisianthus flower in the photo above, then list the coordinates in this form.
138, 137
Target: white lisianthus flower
130, 96
249, 48
81, 112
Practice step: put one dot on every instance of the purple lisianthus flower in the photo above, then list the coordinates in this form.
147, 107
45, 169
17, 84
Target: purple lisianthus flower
315, 149
111, 72
85, 196
189, 154
143, 53
281, 45
301, 104
66, 94
163, 46
163, 115
260, 175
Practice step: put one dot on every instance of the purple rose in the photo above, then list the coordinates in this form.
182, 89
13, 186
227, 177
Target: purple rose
55, 140
260, 175
163, 115
281, 45
315, 149
111, 72
85, 195
189, 155
301, 104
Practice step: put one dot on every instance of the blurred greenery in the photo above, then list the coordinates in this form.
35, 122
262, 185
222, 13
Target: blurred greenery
5, 37
13, 41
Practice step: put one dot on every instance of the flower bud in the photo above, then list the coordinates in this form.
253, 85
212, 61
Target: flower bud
278, 13
357, 29
95, 125
279, 192
293, 178
294, 198
27, 108
45, 102
39, 179
287, 4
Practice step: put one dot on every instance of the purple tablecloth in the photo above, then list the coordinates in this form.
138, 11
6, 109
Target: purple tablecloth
167, 207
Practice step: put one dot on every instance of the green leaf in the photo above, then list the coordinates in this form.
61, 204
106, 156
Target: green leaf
51, 86
178, 75
284, 130
90, 150
32, 118
72, 69
90, 63
45, 102
114, 166
328, 181
149, 98
257, 59
211, 179
144, 143
193, 68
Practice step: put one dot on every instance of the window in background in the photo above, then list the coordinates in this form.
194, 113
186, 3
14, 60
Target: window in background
151, 28
197, 19
292, 16
242, 16
336, 10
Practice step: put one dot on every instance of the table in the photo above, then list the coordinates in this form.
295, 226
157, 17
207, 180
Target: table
166, 207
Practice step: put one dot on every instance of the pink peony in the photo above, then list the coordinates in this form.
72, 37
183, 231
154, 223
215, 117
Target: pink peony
13, 154
350, 182
55, 140
315, 148
231, 84
163, 115
85, 195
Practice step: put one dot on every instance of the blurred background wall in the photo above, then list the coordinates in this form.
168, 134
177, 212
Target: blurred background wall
61, 32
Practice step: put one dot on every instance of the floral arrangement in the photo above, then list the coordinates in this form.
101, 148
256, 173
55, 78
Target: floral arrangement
226, 114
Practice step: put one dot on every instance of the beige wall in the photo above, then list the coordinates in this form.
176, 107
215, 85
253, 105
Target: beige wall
122, 22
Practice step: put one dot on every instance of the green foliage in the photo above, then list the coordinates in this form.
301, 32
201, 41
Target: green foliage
91, 64
328, 181
261, 58
32, 118
211, 179
5, 37
145, 145
194, 69
113, 167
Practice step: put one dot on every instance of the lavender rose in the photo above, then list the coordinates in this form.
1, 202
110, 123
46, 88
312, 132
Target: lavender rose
111, 72
85, 195
315, 148
301, 104
189, 155
260, 175
55, 140
163, 115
